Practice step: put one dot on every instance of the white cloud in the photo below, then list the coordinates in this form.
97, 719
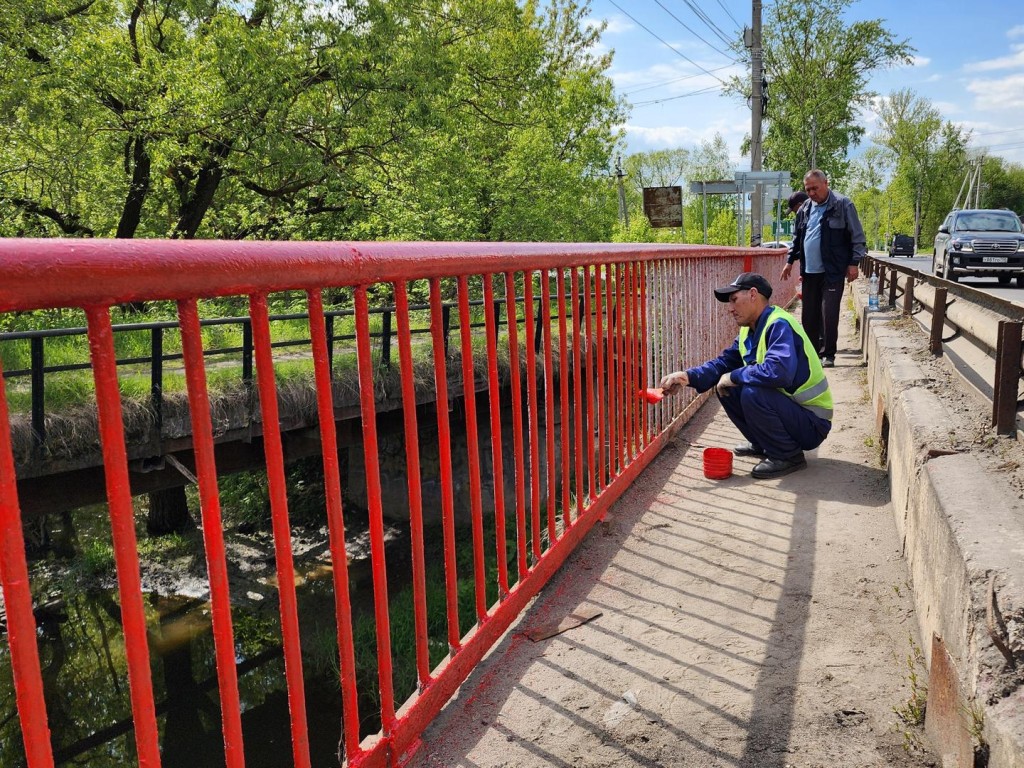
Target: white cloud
616, 24
917, 62
1017, 31
1006, 93
1013, 61
948, 108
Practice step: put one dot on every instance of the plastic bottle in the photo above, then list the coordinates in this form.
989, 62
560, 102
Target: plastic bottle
873, 294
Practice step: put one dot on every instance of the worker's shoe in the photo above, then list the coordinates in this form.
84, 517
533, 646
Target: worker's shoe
770, 468
748, 449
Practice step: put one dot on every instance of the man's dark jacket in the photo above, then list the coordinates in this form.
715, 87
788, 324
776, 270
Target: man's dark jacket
842, 236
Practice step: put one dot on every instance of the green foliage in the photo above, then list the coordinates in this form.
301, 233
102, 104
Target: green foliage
374, 120
676, 167
818, 66
1003, 184
929, 159
97, 557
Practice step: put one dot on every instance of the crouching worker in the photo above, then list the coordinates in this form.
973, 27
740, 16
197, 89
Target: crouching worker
770, 381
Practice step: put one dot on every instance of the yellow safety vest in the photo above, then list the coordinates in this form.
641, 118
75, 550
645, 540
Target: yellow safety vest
813, 394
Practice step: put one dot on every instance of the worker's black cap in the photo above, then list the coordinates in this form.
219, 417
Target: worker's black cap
744, 282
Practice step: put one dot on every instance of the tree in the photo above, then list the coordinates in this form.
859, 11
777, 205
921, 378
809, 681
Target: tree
320, 120
930, 156
817, 67
678, 167
869, 176
1003, 184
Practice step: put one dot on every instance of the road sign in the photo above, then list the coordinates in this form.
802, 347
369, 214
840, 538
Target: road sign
714, 187
664, 206
763, 177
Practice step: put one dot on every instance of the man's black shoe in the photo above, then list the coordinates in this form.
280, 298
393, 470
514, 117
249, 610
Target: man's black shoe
770, 468
828, 362
748, 449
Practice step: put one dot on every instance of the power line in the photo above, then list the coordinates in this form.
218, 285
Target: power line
692, 32
990, 133
729, 14
649, 86
699, 12
667, 45
699, 92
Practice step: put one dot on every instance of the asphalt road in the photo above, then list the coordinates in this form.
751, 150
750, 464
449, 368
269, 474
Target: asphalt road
923, 263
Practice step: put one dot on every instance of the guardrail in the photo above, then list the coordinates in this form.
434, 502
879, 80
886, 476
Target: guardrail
988, 324
157, 358
647, 310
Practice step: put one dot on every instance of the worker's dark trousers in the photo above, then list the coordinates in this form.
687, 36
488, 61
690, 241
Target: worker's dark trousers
772, 421
821, 304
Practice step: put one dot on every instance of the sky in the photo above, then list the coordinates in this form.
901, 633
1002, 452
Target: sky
670, 54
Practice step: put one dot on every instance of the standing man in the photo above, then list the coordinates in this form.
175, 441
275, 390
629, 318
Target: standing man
829, 243
769, 381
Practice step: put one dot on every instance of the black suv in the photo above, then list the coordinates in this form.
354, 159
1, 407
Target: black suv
985, 243
901, 245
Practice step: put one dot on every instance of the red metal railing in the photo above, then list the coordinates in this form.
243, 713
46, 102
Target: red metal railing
619, 317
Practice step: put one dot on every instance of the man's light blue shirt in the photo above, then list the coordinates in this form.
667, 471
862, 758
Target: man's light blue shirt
812, 241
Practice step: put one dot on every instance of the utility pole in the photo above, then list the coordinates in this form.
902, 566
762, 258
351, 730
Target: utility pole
619, 175
814, 142
756, 115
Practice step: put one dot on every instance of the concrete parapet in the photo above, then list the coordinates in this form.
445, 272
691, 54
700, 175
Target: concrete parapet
963, 539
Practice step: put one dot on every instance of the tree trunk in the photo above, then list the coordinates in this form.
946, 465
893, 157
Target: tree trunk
168, 512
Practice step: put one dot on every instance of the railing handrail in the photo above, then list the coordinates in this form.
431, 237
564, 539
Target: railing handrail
1002, 344
42, 273
653, 313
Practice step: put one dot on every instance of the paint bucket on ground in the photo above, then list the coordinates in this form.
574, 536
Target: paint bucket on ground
717, 463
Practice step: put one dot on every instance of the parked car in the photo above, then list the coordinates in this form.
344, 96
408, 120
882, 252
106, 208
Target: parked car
980, 242
778, 244
901, 245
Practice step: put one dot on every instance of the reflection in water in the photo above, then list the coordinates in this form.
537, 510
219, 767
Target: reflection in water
85, 682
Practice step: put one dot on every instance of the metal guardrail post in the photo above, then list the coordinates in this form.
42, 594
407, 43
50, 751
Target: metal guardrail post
893, 285
38, 391
446, 325
329, 333
908, 296
247, 352
877, 270
156, 386
385, 338
938, 321
1007, 377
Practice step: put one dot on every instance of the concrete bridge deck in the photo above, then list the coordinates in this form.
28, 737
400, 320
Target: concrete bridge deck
736, 623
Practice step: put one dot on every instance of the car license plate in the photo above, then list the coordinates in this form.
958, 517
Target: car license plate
994, 259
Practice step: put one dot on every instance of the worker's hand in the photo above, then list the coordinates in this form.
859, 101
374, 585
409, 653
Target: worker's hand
786, 270
673, 381
851, 273
724, 385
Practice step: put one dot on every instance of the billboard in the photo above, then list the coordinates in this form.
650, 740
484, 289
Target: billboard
664, 206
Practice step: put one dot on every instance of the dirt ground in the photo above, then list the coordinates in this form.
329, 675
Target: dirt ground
741, 623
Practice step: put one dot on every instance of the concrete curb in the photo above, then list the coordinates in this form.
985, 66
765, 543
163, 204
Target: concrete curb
960, 528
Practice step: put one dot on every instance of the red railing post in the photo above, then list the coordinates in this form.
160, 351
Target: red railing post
278, 490
532, 406
472, 449
371, 465
319, 336
21, 624
412, 482
517, 421
213, 531
496, 452
444, 445
122, 525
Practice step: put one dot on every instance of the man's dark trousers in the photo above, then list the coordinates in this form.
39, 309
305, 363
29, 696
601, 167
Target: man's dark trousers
821, 304
771, 420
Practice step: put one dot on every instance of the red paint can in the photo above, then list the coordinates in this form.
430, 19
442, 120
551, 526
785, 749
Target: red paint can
717, 463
